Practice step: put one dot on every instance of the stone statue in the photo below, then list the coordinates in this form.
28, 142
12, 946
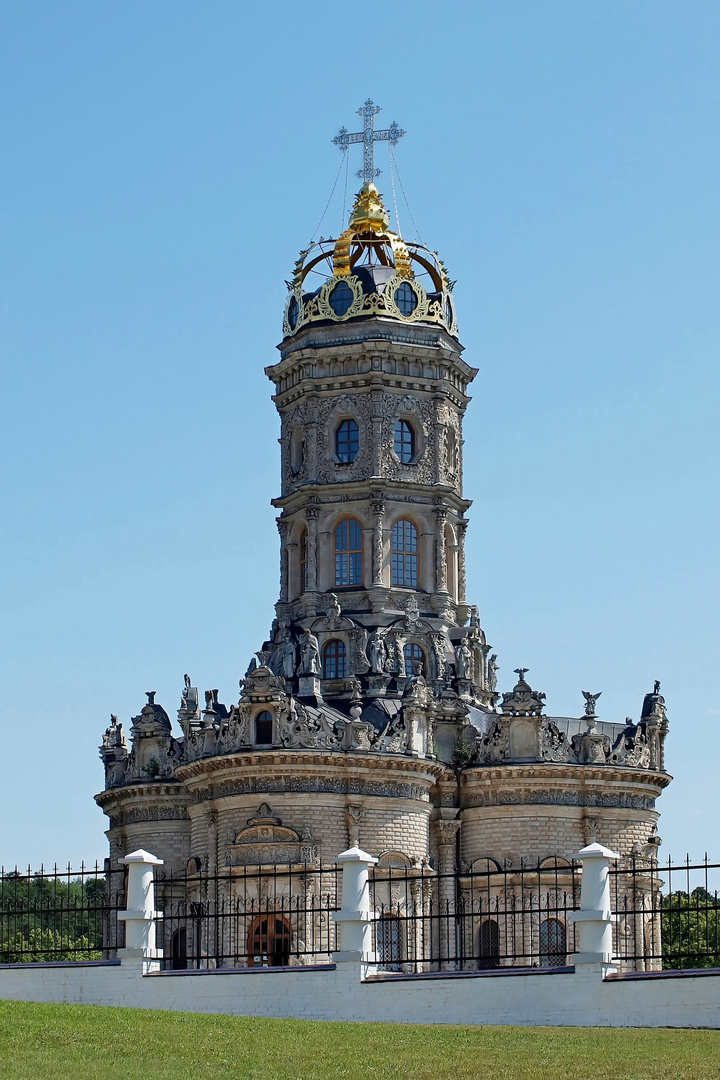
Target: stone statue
463, 660
252, 666
287, 657
590, 700
332, 608
492, 670
378, 654
309, 654
474, 617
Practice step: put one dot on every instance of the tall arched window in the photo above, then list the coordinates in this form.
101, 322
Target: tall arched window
264, 728
552, 943
389, 943
334, 660
404, 443
348, 552
303, 566
296, 449
413, 654
347, 441
405, 554
489, 942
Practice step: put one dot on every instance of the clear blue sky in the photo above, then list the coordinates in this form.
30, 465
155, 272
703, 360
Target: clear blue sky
163, 164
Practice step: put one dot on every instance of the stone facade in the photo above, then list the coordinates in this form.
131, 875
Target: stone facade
371, 713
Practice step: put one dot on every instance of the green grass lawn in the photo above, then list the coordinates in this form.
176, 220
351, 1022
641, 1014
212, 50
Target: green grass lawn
88, 1042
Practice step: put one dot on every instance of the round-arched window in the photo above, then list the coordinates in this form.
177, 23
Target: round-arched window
347, 441
405, 298
404, 441
413, 655
334, 660
293, 312
552, 943
448, 312
264, 728
341, 298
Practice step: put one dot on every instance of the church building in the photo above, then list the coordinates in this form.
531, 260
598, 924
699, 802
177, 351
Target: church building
371, 715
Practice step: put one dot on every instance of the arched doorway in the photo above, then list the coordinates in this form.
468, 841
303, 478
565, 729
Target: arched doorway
269, 941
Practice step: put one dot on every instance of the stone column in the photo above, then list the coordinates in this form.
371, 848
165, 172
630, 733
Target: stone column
378, 511
140, 914
447, 845
440, 554
594, 920
283, 530
311, 516
462, 585
355, 916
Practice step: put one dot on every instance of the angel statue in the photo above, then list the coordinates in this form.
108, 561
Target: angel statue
590, 700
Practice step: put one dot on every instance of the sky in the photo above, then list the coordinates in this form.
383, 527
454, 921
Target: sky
164, 163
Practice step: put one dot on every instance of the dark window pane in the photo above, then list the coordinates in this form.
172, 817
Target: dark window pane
341, 298
264, 729
347, 441
405, 298
489, 944
293, 313
404, 444
413, 654
334, 660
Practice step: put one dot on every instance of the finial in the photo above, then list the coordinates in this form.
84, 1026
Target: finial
368, 137
150, 695
520, 672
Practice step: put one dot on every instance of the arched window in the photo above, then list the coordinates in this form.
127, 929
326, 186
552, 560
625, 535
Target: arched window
489, 945
347, 441
269, 941
552, 943
303, 553
413, 654
264, 728
389, 943
405, 554
296, 450
348, 552
334, 660
404, 444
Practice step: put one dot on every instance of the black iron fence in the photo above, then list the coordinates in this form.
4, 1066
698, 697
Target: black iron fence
667, 916
60, 915
476, 918
472, 919
248, 916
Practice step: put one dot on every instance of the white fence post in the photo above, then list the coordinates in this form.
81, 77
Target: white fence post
354, 920
140, 916
594, 919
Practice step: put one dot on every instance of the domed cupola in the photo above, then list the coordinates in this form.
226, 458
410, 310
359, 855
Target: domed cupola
369, 271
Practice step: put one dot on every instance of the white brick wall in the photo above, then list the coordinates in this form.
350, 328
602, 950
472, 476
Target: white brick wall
582, 999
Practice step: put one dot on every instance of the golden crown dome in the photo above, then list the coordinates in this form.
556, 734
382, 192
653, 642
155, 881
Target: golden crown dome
369, 271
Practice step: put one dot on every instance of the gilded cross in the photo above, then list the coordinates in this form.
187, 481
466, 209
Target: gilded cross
368, 137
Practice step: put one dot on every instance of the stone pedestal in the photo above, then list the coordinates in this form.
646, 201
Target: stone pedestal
309, 686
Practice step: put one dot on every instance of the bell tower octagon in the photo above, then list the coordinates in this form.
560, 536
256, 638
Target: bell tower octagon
371, 389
